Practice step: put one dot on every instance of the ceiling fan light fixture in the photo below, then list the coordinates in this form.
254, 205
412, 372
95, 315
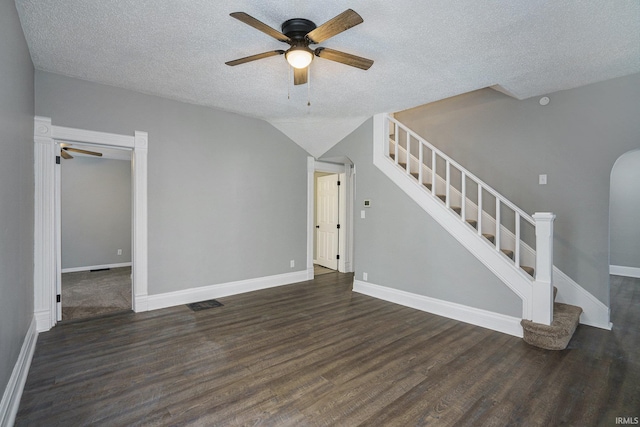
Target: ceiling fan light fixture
299, 56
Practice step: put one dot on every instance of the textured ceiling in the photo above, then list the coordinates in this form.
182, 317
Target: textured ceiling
424, 51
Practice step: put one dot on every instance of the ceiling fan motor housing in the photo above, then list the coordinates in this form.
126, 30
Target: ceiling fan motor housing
297, 28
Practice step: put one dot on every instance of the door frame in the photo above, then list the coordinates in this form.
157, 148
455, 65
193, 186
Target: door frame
47, 242
338, 177
345, 264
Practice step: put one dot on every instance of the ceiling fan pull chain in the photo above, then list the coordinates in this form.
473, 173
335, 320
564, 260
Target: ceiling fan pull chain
289, 72
308, 87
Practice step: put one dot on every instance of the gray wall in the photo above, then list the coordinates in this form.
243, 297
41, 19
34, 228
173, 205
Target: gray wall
227, 194
96, 211
575, 140
400, 246
625, 211
16, 189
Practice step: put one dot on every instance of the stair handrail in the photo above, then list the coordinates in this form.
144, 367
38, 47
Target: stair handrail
541, 304
467, 173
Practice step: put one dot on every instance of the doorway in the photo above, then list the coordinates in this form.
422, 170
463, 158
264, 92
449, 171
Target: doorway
330, 188
47, 259
624, 211
95, 216
327, 220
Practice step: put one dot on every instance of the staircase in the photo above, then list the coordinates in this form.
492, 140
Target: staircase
495, 230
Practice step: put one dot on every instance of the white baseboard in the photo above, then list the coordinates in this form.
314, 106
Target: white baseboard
620, 270
187, 296
475, 316
43, 320
96, 267
13, 392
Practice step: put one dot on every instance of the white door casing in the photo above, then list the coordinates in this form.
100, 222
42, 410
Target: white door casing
46, 213
347, 172
327, 215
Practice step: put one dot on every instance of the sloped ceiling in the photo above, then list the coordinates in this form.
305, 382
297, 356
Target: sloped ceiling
424, 51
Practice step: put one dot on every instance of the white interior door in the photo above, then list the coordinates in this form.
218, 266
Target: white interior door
327, 217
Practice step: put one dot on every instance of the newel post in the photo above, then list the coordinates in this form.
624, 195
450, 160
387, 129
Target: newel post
543, 284
380, 135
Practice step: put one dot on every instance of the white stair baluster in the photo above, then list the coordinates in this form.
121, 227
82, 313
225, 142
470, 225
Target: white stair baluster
434, 183
447, 189
498, 224
395, 138
479, 209
516, 252
463, 212
420, 161
408, 153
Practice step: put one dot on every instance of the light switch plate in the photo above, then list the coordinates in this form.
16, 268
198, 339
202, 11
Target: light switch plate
542, 179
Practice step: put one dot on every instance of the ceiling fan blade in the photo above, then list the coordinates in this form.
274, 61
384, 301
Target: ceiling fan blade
344, 58
340, 23
65, 155
261, 26
254, 57
78, 150
300, 75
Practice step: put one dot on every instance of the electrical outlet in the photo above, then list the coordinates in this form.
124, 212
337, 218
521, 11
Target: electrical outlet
365, 276
292, 263
119, 251
542, 179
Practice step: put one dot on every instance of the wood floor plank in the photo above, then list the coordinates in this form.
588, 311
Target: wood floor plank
315, 353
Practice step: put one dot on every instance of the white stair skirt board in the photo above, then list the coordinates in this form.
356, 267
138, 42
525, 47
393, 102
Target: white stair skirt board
13, 392
620, 270
188, 296
487, 319
96, 267
594, 312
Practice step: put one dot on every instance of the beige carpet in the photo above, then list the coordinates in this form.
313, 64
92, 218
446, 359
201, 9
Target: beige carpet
89, 294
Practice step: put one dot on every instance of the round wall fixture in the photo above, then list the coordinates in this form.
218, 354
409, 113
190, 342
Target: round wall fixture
544, 100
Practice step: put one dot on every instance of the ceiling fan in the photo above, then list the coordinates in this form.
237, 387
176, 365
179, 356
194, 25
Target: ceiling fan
67, 147
299, 33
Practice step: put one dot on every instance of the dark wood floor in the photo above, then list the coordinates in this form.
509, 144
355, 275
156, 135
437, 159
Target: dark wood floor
315, 353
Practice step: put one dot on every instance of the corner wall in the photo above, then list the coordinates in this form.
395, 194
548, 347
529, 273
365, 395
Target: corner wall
16, 190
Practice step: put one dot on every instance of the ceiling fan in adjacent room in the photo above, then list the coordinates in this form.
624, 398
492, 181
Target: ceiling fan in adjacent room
65, 148
299, 33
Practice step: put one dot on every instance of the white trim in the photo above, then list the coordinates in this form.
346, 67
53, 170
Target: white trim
187, 296
44, 271
65, 134
47, 225
594, 312
13, 391
620, 270
310, 216
517, 280
347, 173
95, 267
487, 319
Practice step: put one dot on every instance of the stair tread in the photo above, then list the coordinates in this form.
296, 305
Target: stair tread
563, 317
507, 252
530, 270
557, 335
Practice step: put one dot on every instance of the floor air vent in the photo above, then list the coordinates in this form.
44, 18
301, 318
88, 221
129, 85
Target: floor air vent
203, 305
